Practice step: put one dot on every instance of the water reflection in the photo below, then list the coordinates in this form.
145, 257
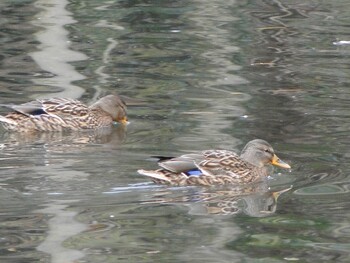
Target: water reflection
255, 201
54, 53
54, 141
61, 226
214, 74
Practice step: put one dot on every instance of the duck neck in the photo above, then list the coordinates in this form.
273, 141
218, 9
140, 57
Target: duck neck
250, 157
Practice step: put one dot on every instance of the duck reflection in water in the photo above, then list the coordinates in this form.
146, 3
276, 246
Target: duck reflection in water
55, 140
257, 200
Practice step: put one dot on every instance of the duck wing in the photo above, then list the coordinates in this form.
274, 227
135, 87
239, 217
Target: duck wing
182, 163
54, 106
210, 159
29, 108
222, 162
63, 107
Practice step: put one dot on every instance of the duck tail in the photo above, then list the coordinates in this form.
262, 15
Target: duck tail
156, 174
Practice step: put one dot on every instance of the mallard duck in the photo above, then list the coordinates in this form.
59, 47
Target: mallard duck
58, 114
218, 167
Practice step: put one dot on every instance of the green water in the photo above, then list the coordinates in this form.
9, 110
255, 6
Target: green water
211, 74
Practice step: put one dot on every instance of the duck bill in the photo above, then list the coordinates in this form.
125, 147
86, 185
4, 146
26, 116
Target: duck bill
278, 162
124, 121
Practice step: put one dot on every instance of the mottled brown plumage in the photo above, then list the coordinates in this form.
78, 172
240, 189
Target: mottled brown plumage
218, 167
59, 114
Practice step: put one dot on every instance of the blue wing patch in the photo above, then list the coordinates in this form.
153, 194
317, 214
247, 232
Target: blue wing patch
38, 112
194, 172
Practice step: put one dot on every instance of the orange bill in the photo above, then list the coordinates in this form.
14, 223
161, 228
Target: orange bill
278, 162
124, 120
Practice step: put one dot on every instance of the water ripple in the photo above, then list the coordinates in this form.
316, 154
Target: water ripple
324, 189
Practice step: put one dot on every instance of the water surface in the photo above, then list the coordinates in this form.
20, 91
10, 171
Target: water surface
212, 74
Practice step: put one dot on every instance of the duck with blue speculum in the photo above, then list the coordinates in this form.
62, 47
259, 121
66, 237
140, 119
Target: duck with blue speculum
218, 167
61, 114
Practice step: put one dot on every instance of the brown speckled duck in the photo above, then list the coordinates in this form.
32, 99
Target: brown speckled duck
218, 167
59, 114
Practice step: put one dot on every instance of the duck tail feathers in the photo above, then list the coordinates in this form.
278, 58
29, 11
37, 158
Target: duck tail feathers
156, 174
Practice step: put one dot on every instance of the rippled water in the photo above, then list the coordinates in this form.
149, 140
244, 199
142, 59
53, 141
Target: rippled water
211, 74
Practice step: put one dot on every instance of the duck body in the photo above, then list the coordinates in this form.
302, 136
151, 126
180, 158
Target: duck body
218, 167
59, 114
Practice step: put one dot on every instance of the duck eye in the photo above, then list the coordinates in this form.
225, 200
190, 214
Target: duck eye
267, 150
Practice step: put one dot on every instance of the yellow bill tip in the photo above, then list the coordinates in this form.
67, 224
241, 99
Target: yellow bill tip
124, 121
278, 162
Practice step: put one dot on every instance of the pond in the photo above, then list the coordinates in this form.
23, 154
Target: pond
200, 75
